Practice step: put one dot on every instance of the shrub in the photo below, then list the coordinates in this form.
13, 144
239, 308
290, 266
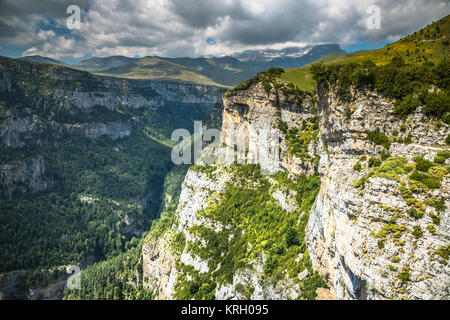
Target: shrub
443, 153
437, 103
446, 118
408, 139
360, 183
379, 138
431, 229
374, 162
179, 242
404, 276
347, 113
271, 264
417, 232
430, 181
364, 75
403, 127
392, 268
357, 166
405, 106
413, 212
417, 157
422, 164
438, 204
443, 252
392, 81
309, 286
290, 236
437, 171
439, 160
319, 72
435, 218
274, 71
384, 154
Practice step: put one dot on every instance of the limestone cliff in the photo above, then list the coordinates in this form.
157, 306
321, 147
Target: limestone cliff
253, 119
41, 105
24, 176
378, 228
361, 239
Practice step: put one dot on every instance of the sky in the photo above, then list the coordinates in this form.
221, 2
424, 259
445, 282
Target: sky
181, 28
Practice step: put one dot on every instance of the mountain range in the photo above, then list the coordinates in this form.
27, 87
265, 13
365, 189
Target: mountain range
41, 59
224, 71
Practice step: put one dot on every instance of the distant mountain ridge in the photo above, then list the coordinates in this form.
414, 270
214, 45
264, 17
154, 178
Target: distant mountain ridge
41, 59
97, 64
223, 71
291, 57
267, 55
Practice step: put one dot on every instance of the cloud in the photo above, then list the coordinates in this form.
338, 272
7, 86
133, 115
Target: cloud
182, 27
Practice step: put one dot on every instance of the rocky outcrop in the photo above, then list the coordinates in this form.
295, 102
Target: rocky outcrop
12, 130
363, 235
348, 233
250, 121
160, 258
16, 285
41, 104
24, 176
114, 130
158, 266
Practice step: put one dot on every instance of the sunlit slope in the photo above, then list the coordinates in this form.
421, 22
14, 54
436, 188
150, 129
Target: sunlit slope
158, 69
431, 44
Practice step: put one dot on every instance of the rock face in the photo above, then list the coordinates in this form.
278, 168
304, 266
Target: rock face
158, 266
11, 285
250, 122
160, 258
42, 104
72, 90
26, 175
373, 232
115, 130
343, 233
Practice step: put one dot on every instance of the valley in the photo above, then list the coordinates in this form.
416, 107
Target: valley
330, 179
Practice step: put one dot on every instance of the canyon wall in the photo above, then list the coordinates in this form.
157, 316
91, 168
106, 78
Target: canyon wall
44, 104
373, 231
361, 240
251, 121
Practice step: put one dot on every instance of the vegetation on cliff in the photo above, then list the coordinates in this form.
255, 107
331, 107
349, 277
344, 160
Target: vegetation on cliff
411, 85
252, 225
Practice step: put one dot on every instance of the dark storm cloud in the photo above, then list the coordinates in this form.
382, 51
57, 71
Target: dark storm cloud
181, 27
201, 13
274, 25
